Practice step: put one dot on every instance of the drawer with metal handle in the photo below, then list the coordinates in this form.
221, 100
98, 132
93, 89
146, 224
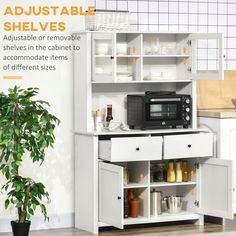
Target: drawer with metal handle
188, 145
131, 149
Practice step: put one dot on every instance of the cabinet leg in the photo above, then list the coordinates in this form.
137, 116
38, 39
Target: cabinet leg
200, 222
223, 221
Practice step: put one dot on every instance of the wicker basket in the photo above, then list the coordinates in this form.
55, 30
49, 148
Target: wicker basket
105, 20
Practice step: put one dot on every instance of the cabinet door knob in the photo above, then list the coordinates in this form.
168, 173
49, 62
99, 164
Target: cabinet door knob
189, 146
119, 197
137, 148
112, 57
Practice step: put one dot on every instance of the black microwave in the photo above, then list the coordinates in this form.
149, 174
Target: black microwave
154, 110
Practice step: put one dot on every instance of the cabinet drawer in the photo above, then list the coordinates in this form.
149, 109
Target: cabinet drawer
131, 149
189, 145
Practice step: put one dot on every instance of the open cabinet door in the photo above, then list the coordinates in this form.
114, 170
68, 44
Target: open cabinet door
206, 56
111, 194
215, 188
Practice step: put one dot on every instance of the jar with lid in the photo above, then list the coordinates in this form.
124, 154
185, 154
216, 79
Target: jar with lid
185, 172
159, 172
171, 172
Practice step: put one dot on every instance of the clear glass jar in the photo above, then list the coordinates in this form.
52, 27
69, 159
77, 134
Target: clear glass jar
158, 172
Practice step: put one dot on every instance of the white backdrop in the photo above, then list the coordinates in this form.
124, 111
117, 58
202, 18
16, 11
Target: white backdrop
56, 87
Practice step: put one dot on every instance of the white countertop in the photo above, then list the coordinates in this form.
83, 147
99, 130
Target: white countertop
218, 113
140, 132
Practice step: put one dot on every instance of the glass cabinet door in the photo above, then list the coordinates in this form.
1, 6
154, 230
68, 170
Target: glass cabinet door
206, 59
103, 57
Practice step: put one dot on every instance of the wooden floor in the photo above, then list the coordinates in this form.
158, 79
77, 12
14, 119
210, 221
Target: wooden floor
179, 230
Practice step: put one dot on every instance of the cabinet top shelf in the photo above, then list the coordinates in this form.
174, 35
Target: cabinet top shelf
144, 81
127, 32
142, 132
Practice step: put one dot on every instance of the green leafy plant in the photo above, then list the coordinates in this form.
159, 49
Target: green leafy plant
26, 127
26, 195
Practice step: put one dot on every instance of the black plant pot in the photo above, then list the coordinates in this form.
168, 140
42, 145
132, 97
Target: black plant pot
20, 229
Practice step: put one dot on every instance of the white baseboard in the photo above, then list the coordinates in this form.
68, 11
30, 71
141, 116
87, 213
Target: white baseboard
37, 222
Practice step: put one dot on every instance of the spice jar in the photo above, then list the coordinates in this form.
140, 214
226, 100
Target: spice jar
171, 172
185, 172
178, 171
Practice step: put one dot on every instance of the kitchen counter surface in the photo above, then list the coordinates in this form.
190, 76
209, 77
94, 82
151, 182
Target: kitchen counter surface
218, 113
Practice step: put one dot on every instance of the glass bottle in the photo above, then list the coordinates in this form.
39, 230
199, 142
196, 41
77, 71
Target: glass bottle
178, 170
185, 172
109, 113
171, 172
126, 206
126, 176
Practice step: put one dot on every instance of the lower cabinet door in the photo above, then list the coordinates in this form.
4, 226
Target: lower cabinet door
215, 190
111, 197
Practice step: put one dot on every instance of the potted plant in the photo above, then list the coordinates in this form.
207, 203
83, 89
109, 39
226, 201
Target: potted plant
26, 128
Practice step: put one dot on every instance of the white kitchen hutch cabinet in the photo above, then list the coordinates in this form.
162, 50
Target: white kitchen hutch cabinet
108, 67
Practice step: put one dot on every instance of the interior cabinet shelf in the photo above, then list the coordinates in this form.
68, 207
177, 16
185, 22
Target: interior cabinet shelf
166, 56
166, 184
128, 56
158, 184
103, 56
165, 217
135, 185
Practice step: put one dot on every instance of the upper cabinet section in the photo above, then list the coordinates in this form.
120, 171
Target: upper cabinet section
155, 57
206, 61
103, 51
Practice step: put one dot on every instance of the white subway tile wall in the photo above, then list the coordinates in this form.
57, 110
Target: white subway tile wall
182, 15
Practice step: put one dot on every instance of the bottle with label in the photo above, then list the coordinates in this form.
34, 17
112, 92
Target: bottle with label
109, 113
185, 172
171, 172
179, 177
